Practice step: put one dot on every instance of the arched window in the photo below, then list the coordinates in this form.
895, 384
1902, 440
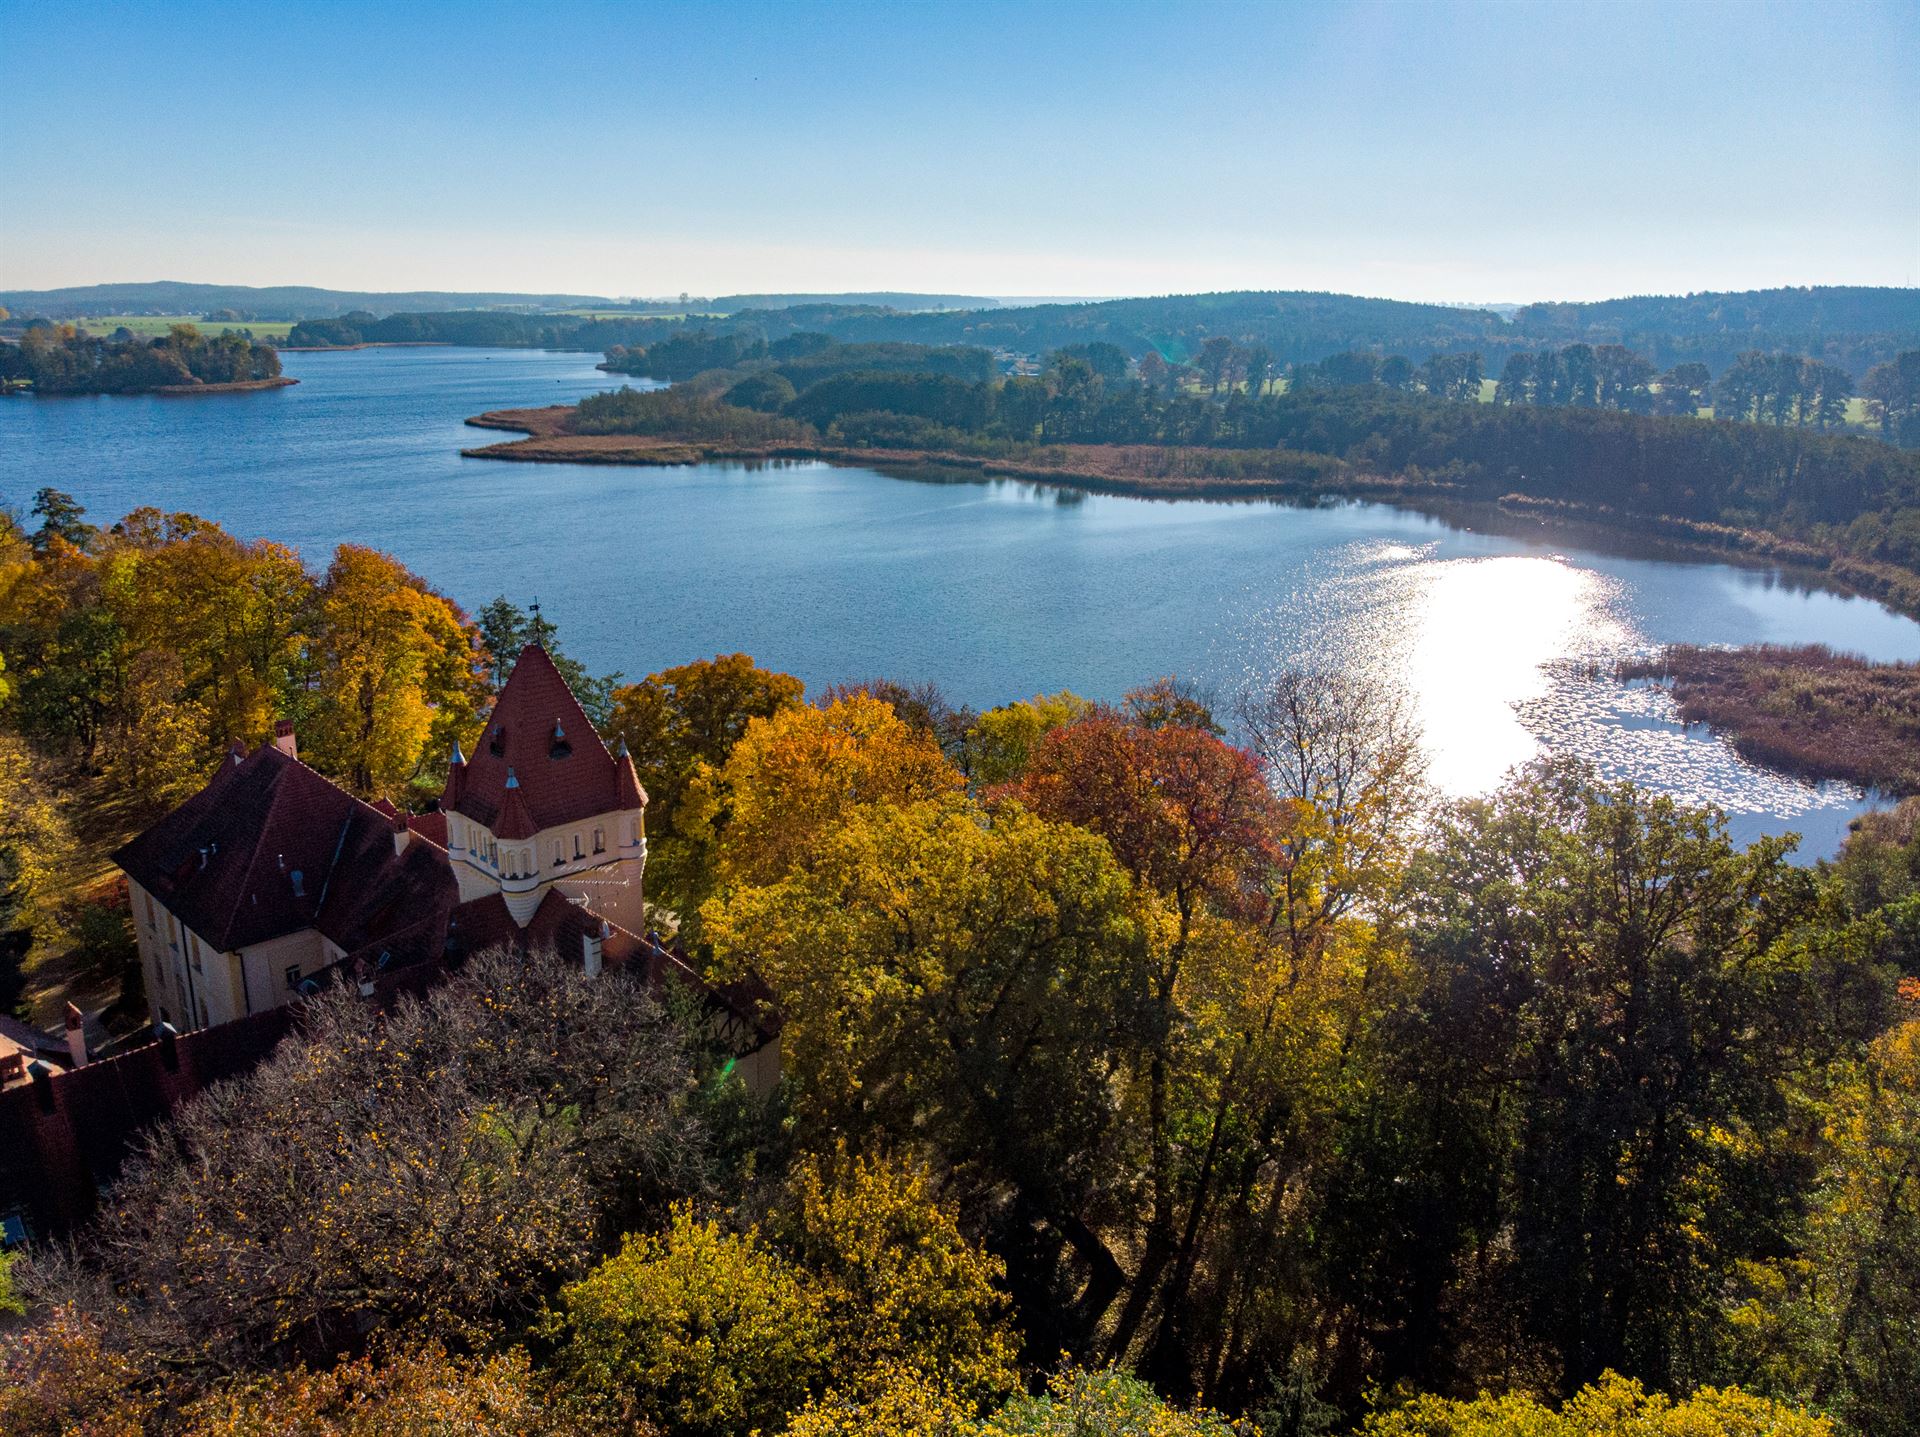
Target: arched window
526, 861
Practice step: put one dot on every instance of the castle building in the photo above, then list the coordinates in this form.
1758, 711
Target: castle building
272, 875
272, 882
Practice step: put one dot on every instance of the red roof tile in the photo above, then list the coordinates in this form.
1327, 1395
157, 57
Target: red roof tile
271, 847
538, 730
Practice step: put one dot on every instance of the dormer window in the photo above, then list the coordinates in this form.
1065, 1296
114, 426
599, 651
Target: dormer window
497, 741
558, 745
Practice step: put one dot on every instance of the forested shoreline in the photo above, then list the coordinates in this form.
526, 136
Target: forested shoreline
1788, 489
1179, 1065
59, 360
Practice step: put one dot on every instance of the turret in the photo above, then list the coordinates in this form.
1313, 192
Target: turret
456, 779
626, 783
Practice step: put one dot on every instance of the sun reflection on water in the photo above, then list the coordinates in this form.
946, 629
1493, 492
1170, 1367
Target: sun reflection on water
1506, 657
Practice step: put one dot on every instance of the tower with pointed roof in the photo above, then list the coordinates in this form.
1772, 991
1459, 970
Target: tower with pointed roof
543, 806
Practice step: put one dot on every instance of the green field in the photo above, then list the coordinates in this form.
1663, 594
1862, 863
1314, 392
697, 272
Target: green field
152, 326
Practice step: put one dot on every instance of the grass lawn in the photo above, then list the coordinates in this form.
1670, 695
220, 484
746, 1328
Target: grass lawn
152, 326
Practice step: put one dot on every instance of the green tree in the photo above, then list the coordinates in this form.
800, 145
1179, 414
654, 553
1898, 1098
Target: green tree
61, 517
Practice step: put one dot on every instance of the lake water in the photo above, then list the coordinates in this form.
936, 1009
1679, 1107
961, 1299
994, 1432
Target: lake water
996, 590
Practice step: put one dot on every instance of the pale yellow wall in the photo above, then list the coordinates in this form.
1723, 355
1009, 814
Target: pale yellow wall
266, 964
609, 880
224, 986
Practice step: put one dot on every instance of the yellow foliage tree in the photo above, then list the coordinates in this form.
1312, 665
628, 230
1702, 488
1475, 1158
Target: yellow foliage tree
797, 776
1003, 739
897, 1282
898, 1400
702, 1330
396, 667
1611, 1407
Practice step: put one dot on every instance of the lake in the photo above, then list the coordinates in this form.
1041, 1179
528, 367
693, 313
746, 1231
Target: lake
993, 589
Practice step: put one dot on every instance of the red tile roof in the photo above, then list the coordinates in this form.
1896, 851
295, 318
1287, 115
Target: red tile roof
270, 847
538, 731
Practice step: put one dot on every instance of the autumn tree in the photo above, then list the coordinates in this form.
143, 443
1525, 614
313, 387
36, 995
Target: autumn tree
796, 776
680, 725
1002, 739
409, 1392
897, 1282
395, 673
973, 979
705, 1331
1611, 1407
1833, 1322
430, 1171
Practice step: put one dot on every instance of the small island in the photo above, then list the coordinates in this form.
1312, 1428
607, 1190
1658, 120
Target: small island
60, 360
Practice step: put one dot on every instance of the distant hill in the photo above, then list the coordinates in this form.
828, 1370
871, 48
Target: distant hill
297, 301
293, 301
1852, 327
881, 299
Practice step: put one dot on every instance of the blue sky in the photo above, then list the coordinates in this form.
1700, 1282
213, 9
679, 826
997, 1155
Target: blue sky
1445, 151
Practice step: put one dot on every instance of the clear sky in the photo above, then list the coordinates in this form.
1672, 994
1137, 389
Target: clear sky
1422, 151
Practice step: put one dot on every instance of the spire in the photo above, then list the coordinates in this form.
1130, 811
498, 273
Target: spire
626, 783
456, 784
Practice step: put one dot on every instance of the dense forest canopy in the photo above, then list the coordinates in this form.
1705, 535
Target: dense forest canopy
58, 360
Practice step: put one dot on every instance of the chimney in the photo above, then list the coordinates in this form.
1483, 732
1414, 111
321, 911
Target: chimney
283, 738
42, 1076
401, 834
76, 1036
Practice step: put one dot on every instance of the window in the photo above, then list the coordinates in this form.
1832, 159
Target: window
512, 867
193, 947
559, 853
599, 840
293, 975
526, 861
149, 898
577, 852
493, 853
633, 830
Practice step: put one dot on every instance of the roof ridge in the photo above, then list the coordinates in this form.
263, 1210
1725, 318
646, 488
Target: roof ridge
259, 841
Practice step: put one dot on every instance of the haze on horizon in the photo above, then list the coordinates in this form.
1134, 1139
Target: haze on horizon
1453, 152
